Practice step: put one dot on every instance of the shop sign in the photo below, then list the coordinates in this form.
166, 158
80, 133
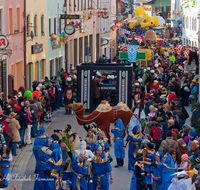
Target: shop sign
37, 48
123, 81
70, 16
3, 42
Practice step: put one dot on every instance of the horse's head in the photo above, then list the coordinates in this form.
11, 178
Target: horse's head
75, 106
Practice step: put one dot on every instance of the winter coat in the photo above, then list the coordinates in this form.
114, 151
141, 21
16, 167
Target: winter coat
21, 119
194, 152
34, 112
28, 117
6, 131
183, 150
146, 108
14, 129
167, 144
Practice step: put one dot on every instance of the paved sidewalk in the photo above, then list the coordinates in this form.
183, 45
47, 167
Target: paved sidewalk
19, 164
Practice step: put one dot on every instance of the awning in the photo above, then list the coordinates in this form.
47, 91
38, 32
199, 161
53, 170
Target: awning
106, 38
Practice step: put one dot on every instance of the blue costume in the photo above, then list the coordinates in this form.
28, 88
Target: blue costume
102, 142
42, 155
135, 141
158, 173
138, 174
167, 168
5, 165
80, 173
101, 168
118, 132
150, 155
52, 171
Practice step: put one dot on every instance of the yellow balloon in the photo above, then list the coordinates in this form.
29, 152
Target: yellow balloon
131, 26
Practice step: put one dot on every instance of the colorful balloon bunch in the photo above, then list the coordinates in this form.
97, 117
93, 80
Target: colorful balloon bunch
63, 38
131, 26
75, 23
55, 41
113, 28
189, 3
120, 19
100, 14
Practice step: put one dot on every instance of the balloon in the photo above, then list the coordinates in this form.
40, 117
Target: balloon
100, 16
36, 93
53, 44
58, 42
27, 94
72, 22
131, 26
51, 39
61, 37
76, 21
57, 45
55, 38
99, 12
77, 24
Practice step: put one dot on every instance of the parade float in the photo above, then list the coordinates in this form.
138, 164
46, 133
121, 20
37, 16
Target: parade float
145, 20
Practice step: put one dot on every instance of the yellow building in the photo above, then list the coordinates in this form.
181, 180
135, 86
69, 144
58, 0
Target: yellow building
36, 48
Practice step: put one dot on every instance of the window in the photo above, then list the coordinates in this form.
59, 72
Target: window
35, 25
81, 5
78, 5
18, 19
190, 23
11, 20
28, 24
51, 68
195, 44
186, 22
183, 41
97, 3
81, 50
168, 9
195, 24
42, 69
89, 3
183, 23
186, 42
49, 26
85, 5
1, 20
159, 8
60, 25
74, 5
91, 46
70, 5
75, 52
55, 26
42, 25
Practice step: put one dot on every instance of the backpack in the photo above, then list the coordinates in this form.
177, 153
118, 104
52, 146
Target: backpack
169, 147
156, 133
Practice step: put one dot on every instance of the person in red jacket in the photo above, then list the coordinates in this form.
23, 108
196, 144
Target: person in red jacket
6, 131
171, 96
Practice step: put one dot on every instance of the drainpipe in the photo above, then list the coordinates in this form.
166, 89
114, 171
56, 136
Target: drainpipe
25, 44
66, 45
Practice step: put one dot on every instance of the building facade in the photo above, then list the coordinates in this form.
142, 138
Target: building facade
36, 41
56, 55
176, 13
15, 33
3, 58
161, 6
190, 26
108, 37
84, 45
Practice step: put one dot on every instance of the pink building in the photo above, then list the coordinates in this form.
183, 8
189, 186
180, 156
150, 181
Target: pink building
15, 32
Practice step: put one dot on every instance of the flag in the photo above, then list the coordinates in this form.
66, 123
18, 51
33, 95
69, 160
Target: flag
132, 52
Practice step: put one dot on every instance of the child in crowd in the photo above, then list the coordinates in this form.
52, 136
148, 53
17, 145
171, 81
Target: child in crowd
184, 162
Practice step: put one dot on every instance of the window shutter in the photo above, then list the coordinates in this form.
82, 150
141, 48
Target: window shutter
42, 29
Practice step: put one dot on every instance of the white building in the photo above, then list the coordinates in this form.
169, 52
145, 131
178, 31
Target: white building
176, 12
190, 25
108, 37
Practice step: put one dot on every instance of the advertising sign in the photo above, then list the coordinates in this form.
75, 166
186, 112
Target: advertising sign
3, 42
